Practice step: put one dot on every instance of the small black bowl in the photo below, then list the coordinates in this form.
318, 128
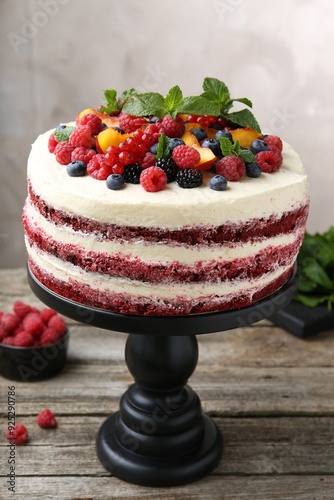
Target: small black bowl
31, 364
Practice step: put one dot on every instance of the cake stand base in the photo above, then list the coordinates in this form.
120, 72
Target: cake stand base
160, 436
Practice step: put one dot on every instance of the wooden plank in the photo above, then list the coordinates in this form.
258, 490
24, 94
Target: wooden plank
257, 446
288, 487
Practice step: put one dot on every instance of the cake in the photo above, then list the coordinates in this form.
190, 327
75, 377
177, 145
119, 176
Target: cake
203, 230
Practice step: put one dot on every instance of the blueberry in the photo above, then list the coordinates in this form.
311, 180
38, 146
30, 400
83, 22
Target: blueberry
154, 119
253, 170
212, 144
76, 168
224, 133
115, 181
218, 183
61, 127
174, 142
258, 146
154, 148
199, 133
120, 130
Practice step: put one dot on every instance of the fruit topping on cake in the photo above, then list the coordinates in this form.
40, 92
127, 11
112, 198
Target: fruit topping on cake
136, 132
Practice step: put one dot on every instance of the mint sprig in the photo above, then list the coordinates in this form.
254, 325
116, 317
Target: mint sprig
62, 133
228, 149
316, 261
214, 101
163, 150
112, 103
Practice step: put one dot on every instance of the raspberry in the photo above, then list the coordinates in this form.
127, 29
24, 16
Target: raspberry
92, 121
9, 340
63, 152
172, 128
46, 419
57, 323
273, 140
99, 168
46, 314
9, 322
50, 336
24, 339
185, 156
132, 173
82, 136
269, 161
33, 324
189, 178
148, 160
82, 154
3, 334
18, 434
153, 179
169, 166
52, 143
129, 123
231, 167
21, 309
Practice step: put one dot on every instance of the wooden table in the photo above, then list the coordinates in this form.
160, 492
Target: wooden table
271, 394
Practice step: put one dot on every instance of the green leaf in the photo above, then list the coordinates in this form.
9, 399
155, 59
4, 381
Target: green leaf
236, 148
198, 105
316, 273
216, 87
225, 146
110, 101
306, 284
126, 94
244, 118
150, 103
244, 100
63, 134
173, 100
311, 300
247, 156
163, 150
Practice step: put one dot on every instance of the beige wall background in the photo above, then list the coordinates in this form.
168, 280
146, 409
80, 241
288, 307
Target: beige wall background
58, 55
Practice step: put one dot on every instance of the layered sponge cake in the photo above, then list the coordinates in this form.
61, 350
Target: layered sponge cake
174, 226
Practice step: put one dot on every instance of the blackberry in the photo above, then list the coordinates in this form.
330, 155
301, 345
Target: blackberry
169, 166
189, 178
132, 173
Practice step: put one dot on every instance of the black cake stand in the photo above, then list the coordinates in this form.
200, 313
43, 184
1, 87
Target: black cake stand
160, 436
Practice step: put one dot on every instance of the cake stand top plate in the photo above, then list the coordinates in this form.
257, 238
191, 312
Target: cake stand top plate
168, 325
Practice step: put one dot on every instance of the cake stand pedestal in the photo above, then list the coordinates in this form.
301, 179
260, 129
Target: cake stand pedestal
160, 436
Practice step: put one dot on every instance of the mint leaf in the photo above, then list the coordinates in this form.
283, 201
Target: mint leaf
244, 118
173, 100
63, 134
225, 146
247, 156
244, 100
126, 94
147, 104
198, 105
163, 150
110, 101
216, 87
312, 300
316, 273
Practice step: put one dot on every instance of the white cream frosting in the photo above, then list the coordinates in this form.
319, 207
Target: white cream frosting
68, 272
173, 207
152, 252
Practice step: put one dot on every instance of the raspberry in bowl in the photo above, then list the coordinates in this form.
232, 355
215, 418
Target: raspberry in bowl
33, 343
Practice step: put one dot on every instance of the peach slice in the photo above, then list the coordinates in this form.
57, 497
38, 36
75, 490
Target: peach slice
207, 156
110, 137
110, 121
245, 136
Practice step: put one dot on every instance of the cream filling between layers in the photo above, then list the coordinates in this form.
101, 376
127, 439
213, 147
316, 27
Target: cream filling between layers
149, 252
67, 272
173, 207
